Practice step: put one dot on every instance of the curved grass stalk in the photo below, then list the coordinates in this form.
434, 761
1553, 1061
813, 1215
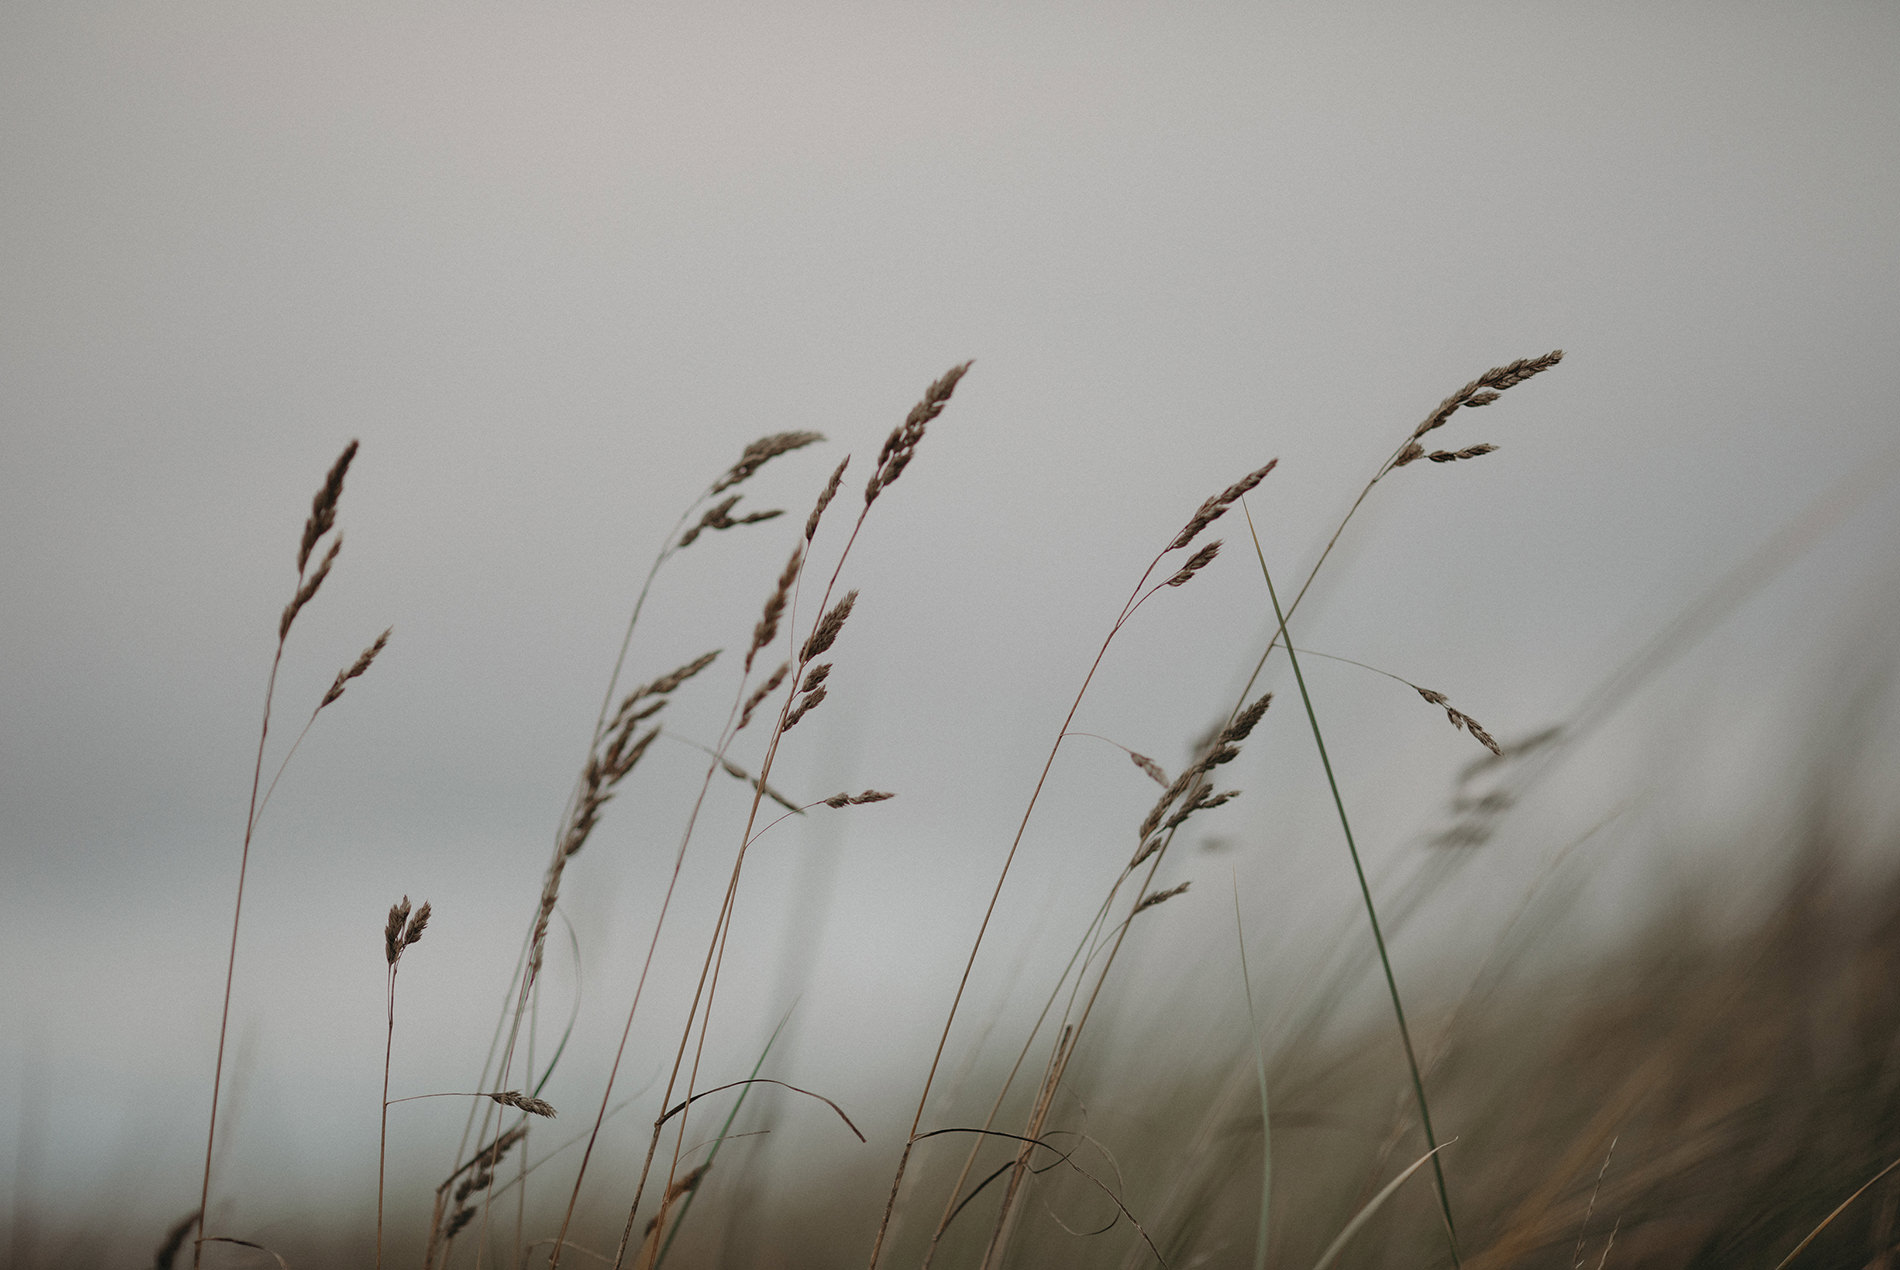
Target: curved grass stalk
1364, 1215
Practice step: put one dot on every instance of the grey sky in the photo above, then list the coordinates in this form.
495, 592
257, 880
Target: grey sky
556, 265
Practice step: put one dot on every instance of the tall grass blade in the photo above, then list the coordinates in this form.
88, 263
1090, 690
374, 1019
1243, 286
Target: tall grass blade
1365, 890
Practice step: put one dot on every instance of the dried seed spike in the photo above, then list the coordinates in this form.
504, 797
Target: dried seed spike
715, 517
392, 932
1152, 768
521, 1102
815, 676
1196, 562
1508, 376
1432, 698
902, 443
1411, 452
761, 452
308, 590
1452, 456
763, 691
1245, 722
1484, 738
1216, 506
1160, 897
1182, 784
858, 800
362, 664
1147, 848
826, 632
824, 499
1497, 378
668, 682
805, 706
417, 924
323, 507
767, 629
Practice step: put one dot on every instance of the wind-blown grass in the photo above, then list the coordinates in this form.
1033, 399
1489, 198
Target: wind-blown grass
1734, 1144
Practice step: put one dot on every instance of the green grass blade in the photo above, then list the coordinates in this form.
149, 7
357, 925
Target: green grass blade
1365, 891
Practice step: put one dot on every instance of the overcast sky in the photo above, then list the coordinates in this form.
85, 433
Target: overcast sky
555, 265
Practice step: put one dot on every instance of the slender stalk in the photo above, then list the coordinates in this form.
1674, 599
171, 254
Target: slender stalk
1260, 1071
1365, 891
996, 893
230, 968
382, 1147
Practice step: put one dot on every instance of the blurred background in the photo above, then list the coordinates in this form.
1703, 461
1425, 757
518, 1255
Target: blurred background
555, 266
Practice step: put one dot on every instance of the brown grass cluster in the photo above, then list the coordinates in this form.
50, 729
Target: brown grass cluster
1701, 1095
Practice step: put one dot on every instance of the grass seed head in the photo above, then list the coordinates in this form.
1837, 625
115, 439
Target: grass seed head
763, 691
767, 629
1196, 562
761, 452
902, 443
522, 1102
1160, 897
323, 507
362, 664
392, 931
805, 706
824, 499
826, 632
307, 591
855, 800
1216, 506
